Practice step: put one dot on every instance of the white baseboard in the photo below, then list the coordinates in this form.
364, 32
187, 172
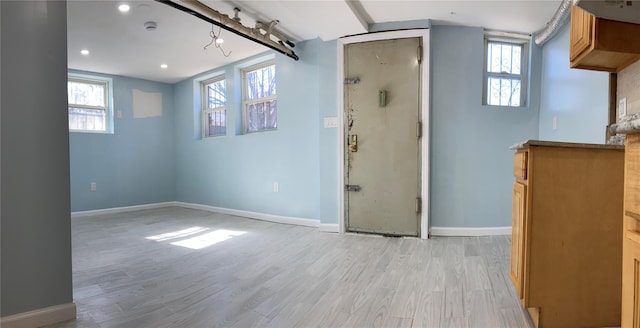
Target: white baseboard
40, 317
469, 232
332, 227
253, 215
121, 209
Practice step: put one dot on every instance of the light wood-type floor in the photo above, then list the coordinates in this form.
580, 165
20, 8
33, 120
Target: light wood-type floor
128, 273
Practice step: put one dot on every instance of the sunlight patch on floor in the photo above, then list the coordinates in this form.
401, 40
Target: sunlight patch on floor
177, 234
208, 239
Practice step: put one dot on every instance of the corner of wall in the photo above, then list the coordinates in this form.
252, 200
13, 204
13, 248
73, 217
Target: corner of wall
574, 103
629, 86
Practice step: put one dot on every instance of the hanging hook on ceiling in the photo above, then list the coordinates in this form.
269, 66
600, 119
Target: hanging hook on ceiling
236, 18
217, 41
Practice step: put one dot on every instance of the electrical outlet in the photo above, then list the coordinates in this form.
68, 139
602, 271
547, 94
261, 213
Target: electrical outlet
276, 187
622, 108
330, 122
93, 186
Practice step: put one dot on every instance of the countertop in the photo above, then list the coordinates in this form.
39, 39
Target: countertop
630, 124
529, 143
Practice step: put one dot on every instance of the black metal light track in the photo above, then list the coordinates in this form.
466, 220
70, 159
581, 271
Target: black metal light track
288, 52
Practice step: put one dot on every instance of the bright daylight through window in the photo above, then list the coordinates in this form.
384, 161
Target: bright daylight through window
214, 113
88, 105
260, 107
505, 74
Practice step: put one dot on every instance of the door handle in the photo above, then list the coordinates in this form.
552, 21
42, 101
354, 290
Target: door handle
353, 144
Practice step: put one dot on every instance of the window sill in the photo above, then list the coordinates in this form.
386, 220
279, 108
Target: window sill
505, 107
258, 132
91, 132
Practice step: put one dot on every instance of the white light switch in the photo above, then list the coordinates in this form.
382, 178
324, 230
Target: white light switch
93, 186
330, 122
622, 108
276, 187
119, 114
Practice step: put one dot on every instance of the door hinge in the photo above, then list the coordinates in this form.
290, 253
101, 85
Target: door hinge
419, 129
420, 54
352, 80
418, 205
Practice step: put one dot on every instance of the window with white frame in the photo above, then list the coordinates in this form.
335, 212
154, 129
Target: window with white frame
505, 73
259, 106
214, 112
88, 105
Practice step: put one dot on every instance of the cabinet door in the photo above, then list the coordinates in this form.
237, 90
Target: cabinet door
581, 32
631, 280
518, 216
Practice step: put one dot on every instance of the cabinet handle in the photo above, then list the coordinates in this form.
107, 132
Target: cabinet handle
632, 235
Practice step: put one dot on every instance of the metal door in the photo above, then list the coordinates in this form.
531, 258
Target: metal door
382, 132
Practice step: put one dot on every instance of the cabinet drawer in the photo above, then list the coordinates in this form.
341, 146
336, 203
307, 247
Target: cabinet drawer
633, 236
520, 165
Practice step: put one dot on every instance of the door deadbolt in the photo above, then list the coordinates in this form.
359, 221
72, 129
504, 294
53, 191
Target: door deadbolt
353, 145
354, 188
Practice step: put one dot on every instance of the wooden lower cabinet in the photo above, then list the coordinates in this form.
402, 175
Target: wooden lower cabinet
566, 254
517, 236
631, 235
631, 275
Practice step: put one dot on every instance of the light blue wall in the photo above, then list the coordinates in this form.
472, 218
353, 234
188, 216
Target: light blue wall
470, 160
578, 98
133, 166
465, 193
238, 171
328, 153
471, 165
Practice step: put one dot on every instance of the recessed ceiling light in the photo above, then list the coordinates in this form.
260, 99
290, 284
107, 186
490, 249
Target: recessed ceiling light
219, 40
124, 8
84, 52
164, 66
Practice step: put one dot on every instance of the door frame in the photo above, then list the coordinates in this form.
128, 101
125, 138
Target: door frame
424, 104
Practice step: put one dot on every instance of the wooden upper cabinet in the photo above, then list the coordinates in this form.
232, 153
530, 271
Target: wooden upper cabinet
581, 31
602, 44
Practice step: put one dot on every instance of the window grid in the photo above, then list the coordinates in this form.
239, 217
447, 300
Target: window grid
260, 104
214, 113
505, 73
88, 106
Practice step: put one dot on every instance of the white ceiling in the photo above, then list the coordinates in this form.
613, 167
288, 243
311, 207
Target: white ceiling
120, 45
